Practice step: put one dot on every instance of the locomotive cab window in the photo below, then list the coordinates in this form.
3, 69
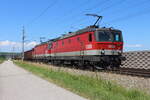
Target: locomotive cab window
117, 37
78, 38
56, 44
62, 42
50, 46
90, 37
108, 36
103, 36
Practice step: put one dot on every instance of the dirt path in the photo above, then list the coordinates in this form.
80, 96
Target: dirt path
18, 84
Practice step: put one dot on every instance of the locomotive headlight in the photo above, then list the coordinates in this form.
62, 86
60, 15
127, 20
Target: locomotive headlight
103, 52
119, 52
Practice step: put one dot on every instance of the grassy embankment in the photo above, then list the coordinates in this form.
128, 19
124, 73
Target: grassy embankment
91, 88
1, 60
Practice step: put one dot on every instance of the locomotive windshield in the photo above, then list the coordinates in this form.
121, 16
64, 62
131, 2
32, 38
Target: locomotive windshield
117, 37
108, 36
103, 36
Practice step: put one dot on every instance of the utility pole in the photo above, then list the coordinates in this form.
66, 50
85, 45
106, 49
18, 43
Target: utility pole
13, 52
23, 38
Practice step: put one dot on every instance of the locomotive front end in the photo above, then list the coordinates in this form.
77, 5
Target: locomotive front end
109, 42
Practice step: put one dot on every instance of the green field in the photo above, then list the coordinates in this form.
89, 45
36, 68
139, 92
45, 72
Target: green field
91, 88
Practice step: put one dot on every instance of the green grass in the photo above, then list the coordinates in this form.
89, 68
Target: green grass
1, 60
91, 88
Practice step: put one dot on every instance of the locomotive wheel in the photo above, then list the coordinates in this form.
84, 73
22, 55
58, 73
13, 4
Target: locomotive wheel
82, 65
91, 68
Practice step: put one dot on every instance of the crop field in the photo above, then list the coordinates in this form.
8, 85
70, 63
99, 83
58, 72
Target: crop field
91, 88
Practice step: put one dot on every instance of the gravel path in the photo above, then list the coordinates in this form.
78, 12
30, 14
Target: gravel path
18, 84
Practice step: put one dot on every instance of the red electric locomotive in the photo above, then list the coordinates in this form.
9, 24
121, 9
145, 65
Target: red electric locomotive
92, 46
39, 52
101, 47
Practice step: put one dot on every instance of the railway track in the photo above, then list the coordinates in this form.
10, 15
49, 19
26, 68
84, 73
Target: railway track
124, 71
130, 71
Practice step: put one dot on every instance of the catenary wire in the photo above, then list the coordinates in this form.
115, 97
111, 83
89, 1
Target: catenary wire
43, 12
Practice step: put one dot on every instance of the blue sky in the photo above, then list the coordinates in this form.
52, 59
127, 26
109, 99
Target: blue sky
51, 18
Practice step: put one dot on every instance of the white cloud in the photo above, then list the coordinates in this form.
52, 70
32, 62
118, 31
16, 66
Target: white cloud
134, 45
6, 45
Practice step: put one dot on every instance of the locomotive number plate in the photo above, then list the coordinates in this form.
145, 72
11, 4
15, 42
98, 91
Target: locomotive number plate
89, 46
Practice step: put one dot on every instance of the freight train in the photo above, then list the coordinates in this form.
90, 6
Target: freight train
97, 47
92, 46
